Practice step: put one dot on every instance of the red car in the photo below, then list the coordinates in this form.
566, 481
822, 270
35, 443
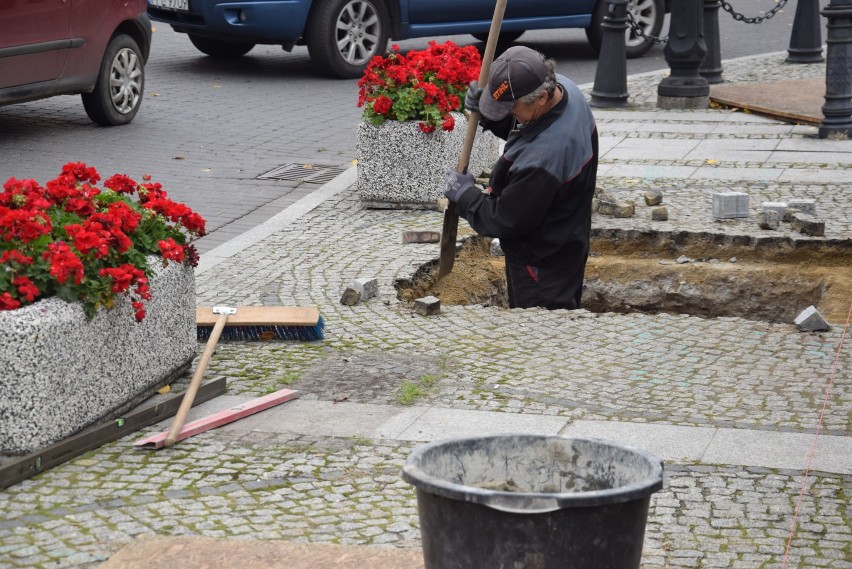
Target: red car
97, 48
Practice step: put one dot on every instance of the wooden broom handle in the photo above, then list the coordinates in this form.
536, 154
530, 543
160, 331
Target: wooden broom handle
451, 218
195, 382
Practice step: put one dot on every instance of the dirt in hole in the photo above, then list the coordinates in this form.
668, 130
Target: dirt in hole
772, 285
477, 278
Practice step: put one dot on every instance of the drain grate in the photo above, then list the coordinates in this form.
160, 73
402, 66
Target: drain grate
307, 173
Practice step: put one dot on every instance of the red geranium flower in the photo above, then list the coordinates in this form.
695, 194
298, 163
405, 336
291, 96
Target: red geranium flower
64, 264
121, 184
26, 288
71, 240
81, 172
171, 250
8, 302
382, 105
420, 85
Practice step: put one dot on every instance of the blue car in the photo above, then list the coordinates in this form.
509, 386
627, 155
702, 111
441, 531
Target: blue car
343, 35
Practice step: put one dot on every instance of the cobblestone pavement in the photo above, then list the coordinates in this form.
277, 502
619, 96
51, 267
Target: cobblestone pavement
642, 368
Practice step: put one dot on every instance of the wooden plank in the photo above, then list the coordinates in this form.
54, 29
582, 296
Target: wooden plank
262, 316
221, 418
26, 466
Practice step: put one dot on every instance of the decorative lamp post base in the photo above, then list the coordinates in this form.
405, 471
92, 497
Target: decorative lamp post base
610, 89
806, 37
685, 88
688, 103
837, 111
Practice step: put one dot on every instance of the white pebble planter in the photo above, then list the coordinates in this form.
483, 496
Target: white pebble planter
60, 373
401, 167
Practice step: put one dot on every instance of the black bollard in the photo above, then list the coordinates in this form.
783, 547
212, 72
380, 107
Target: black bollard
684, 88
610, 89
837, 111
711, 67
806, 37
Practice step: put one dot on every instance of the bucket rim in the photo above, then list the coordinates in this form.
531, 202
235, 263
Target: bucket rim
533, 502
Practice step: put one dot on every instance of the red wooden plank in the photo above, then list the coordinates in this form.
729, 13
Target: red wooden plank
221, 418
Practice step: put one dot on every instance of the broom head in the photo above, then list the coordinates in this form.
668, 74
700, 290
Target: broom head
252, 323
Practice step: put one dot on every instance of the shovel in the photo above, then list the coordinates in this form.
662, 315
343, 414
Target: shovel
451, 218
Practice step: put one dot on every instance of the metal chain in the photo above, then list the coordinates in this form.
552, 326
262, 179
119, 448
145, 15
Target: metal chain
637, 29
726, 6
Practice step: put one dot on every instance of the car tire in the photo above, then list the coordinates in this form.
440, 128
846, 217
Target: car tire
344, 35
120, 84
649, 14
219, 49
505, 38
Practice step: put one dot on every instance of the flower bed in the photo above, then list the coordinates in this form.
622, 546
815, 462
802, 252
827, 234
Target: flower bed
408, 138
97, 300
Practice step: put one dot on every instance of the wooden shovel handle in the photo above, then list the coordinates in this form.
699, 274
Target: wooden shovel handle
451, 219
195, 382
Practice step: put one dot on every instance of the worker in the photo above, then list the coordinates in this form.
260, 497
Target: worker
539, 198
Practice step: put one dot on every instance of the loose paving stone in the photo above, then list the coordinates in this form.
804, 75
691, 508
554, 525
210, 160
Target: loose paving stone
805, 206
777, 207
427, 306
615, 208
415, 236
808, 225
789, 213
660, 213
730, 205
768, 219
351, 297
653, 197
367, 287
624, 209
810, 320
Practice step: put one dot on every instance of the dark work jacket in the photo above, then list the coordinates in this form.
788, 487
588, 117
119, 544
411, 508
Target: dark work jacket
539, 204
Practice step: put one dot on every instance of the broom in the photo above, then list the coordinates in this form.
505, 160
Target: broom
262, 323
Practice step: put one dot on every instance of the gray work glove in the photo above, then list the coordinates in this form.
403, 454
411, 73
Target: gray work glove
456, 184
471, 98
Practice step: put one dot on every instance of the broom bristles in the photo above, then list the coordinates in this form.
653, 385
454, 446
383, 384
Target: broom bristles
259, 333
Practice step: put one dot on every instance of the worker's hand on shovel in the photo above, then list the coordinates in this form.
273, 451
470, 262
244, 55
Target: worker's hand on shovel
456, 184
471, 98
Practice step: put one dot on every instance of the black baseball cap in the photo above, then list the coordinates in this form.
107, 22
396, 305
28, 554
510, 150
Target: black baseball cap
517, 72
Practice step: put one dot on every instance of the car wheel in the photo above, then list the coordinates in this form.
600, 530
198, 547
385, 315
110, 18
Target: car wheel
221, 49
343, 35
118, 90
504, 38
649, 14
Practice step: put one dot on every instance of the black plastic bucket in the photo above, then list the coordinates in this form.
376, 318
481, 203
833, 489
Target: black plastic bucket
532, 502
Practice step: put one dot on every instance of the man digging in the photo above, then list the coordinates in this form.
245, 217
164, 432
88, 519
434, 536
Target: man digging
540, 192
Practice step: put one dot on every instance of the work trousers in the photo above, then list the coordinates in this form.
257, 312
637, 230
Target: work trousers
547, 287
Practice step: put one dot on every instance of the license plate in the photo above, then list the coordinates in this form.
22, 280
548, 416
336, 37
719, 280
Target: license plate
181, 5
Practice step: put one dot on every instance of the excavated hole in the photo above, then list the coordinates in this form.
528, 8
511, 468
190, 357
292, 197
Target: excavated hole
771, 279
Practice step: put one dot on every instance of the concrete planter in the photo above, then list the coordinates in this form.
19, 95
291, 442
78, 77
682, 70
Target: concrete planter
60, 373
400, 167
